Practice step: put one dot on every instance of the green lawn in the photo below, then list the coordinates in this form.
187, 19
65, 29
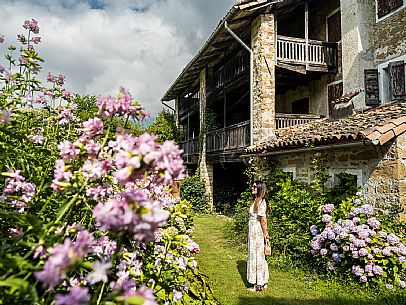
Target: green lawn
225, 268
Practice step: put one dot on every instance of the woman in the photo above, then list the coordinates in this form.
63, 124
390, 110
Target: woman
257, 267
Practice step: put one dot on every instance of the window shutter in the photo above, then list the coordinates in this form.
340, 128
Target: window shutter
397, 79
386, 6
334, 92
334, 27
371, 87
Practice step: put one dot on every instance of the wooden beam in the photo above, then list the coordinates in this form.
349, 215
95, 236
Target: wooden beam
307, 33
291, 67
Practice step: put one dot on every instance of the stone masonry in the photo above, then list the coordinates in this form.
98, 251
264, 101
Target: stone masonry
206, 169
381, 170
390, 37
357, 19
263, 47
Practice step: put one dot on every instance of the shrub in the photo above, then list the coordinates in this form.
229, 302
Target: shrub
193, 190
351, 237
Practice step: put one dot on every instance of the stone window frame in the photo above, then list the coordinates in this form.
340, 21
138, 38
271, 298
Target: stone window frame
333, 172
290, 169
383, 79
328, 16
379, 19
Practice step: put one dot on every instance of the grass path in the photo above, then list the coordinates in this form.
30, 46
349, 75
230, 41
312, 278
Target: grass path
225, 268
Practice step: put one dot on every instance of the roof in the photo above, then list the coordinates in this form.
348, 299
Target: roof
379, 125
238, 18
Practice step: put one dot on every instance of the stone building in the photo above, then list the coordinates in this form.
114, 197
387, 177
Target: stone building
278, 74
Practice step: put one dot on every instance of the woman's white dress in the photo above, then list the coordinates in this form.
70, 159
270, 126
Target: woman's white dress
257, 267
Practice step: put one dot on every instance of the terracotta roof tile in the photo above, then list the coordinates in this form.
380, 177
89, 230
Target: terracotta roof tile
380, 125
386, 137
400, 129
385, 128
399, 121
374, 135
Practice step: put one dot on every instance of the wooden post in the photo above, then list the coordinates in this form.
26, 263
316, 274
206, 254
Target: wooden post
307, 33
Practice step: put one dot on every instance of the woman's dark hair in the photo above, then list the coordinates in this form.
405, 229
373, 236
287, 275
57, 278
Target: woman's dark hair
261, 193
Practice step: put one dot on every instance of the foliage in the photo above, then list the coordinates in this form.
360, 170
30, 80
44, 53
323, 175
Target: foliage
224, 199
86, 216
211, 120
165, 127
294, 207
192, 189
352, 238
226, 267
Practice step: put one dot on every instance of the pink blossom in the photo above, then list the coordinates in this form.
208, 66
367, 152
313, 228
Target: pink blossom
76, 296
68, 151
113, 215
31, 26
62, 175
5, 116
56, 267
104, 247
36, 40
99, 273
92, 127
98, 192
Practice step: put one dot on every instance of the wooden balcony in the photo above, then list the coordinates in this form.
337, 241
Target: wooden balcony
229, 138
189, 104
319, 56
231, 71
231, 141
190, 150
284, 120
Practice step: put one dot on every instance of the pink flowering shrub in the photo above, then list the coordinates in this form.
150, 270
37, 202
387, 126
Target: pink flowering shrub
351, 238
86, 214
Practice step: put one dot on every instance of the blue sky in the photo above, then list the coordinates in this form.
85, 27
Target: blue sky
102, 44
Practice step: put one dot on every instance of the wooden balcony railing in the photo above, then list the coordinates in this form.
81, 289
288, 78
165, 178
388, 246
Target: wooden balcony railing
319, 53
232, 137
232, 69
284, 120
190, 150
189, 104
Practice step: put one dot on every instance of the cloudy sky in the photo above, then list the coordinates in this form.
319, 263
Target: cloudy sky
102, 44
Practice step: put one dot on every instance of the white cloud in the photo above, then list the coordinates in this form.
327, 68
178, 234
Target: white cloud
101, 44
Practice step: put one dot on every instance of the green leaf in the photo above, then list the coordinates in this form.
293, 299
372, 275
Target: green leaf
135, 300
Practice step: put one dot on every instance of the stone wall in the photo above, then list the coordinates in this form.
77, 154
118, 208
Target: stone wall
380, 170
263, 47
357, 20
401, 157
390, 36
206, 169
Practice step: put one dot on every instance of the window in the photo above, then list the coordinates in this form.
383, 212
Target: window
392, 80
371, 87
348, 176
290, 171
397, 86
335, 91
334, 27
384, 7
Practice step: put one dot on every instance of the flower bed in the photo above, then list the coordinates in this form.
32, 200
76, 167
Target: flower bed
86, 213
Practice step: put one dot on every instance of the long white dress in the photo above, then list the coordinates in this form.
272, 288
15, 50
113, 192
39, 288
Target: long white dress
257, 266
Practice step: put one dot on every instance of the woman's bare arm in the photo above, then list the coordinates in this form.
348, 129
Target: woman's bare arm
263, 226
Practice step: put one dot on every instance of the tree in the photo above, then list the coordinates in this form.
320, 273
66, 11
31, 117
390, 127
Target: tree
165, 127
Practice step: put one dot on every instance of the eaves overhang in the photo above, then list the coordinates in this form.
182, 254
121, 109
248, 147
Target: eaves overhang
239, 17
